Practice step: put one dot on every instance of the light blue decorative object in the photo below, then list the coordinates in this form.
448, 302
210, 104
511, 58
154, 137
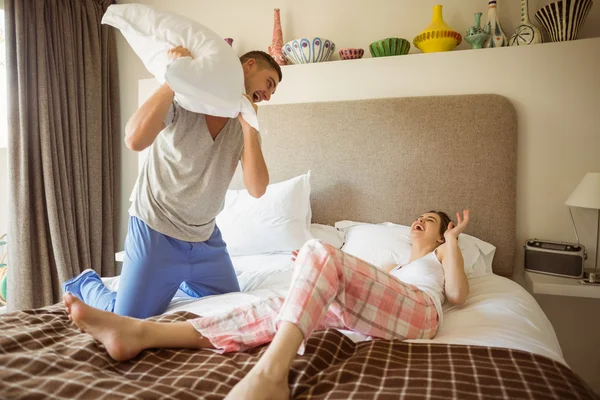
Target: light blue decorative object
308, 50
476, 35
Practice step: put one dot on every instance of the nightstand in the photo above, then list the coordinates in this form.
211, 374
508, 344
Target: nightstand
558, 286
572, 309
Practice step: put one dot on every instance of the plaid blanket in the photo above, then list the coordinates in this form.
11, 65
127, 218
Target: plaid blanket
42, 355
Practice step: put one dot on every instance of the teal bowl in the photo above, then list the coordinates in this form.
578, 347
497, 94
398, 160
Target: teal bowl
389, 47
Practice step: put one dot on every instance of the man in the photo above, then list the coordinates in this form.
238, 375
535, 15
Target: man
172, 239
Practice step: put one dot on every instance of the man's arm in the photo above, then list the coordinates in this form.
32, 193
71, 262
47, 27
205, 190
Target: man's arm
148, 121
256, 174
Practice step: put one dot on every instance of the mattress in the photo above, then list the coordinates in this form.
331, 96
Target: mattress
498, 312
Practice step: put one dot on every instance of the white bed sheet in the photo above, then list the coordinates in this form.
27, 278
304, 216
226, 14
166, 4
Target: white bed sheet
498, 312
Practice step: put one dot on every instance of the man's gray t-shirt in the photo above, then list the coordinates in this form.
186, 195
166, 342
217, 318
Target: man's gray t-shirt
183, 183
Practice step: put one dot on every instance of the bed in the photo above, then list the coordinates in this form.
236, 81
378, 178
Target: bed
371, 161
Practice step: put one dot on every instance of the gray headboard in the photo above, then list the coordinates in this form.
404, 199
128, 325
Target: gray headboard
393, 159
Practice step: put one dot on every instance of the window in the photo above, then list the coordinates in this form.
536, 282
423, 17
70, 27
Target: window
3, 97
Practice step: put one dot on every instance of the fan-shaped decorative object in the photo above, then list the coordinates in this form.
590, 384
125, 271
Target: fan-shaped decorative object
563, 19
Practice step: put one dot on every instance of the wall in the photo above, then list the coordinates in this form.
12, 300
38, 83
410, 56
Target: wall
360, 23
3, 176
3, 191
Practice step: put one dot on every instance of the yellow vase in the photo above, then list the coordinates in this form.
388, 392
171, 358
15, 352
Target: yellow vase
438, 36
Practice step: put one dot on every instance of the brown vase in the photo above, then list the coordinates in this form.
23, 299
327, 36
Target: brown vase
277, 43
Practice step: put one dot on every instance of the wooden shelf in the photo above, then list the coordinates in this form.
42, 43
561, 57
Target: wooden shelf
554, 46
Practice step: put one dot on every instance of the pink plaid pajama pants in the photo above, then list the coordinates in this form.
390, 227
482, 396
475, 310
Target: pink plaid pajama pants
330, 289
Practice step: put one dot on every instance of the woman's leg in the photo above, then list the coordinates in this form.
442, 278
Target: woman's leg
329, 289
345, 291
126, 337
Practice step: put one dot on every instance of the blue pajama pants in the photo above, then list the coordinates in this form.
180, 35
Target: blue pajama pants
154, 268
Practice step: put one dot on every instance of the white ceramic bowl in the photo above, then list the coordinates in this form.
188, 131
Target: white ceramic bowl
308, 50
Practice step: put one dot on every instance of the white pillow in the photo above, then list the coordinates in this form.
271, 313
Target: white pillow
279, 221
385, 244
328, 234
211, 83
377, 244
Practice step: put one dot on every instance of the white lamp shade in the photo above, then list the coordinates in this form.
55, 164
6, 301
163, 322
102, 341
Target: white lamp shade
587, 193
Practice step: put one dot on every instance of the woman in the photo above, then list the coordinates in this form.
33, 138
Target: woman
330, 289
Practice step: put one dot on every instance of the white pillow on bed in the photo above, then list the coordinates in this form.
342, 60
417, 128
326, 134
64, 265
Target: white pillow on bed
386, 243
328, 234
279, 221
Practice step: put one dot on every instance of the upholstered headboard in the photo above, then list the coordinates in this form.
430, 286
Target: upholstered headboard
393, 159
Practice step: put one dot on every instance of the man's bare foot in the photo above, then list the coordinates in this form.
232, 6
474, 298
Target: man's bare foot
258, 385
122, 336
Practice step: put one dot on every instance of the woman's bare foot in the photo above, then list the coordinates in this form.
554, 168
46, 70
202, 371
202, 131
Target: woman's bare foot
259, 385
122, 336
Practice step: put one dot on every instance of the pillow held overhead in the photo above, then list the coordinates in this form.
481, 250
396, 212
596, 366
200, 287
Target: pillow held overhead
211, 83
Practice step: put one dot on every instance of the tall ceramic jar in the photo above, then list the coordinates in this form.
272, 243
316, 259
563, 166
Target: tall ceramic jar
497, 36
277, 42
526, 32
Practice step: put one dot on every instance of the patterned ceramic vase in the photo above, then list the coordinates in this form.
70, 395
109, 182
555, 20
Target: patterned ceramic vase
476, 35
497, 36
563, 19
438, 36
526, 33
277, 42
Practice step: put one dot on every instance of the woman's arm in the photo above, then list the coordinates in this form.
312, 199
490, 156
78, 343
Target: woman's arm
457, 285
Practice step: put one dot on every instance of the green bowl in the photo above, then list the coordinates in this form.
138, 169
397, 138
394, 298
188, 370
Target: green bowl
389, 47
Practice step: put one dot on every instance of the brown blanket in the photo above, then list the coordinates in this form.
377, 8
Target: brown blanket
42, 355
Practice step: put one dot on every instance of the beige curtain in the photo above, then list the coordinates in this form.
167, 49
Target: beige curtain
62, 148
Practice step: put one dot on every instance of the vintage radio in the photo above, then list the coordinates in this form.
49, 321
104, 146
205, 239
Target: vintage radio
555, 258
